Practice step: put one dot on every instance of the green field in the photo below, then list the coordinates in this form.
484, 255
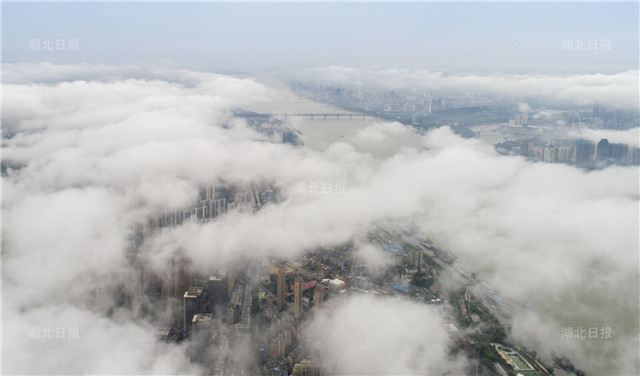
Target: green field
518, 361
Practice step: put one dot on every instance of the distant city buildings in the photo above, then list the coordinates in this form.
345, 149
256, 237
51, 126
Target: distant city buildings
580, 152
617, 119
425, 109
392, 101
519, 119
213, 201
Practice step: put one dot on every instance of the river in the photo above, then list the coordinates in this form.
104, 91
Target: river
318, 133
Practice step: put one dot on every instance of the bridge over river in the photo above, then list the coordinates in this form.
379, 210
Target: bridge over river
327, 116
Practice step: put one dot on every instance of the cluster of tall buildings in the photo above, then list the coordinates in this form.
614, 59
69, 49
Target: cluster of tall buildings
213, 201
206, 296
281, 335
298, 288
201, 299
281, 345
578, 152
619, 119
519, 119
176, 282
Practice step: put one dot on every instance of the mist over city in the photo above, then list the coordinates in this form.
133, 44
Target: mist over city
316, 189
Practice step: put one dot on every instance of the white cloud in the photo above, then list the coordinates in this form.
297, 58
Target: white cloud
101, 155
84, 342
375, 259
367, 335
524, 107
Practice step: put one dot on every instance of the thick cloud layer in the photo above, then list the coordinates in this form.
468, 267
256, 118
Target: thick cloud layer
616, 90
96, 158
374, 259
99, 156
365, 335
84, 342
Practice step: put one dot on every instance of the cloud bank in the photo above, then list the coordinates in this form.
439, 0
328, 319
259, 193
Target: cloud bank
382, 336
88, 159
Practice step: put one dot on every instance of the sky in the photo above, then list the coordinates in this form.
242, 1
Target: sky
285, 37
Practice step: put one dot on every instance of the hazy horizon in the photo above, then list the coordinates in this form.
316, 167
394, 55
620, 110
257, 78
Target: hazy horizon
275, 38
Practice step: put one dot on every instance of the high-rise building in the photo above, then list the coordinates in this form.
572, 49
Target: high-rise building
231, 283
318, 295
297, 298
202, 331
231, 193
604, 150
178, 276
596, 110
149, 228
192, 305
565, 154
219, 207
280, 291
338, 95
217, 285
521, 119
584, 152
307, 368
416, 258
634, 155
620, 153
549, 153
